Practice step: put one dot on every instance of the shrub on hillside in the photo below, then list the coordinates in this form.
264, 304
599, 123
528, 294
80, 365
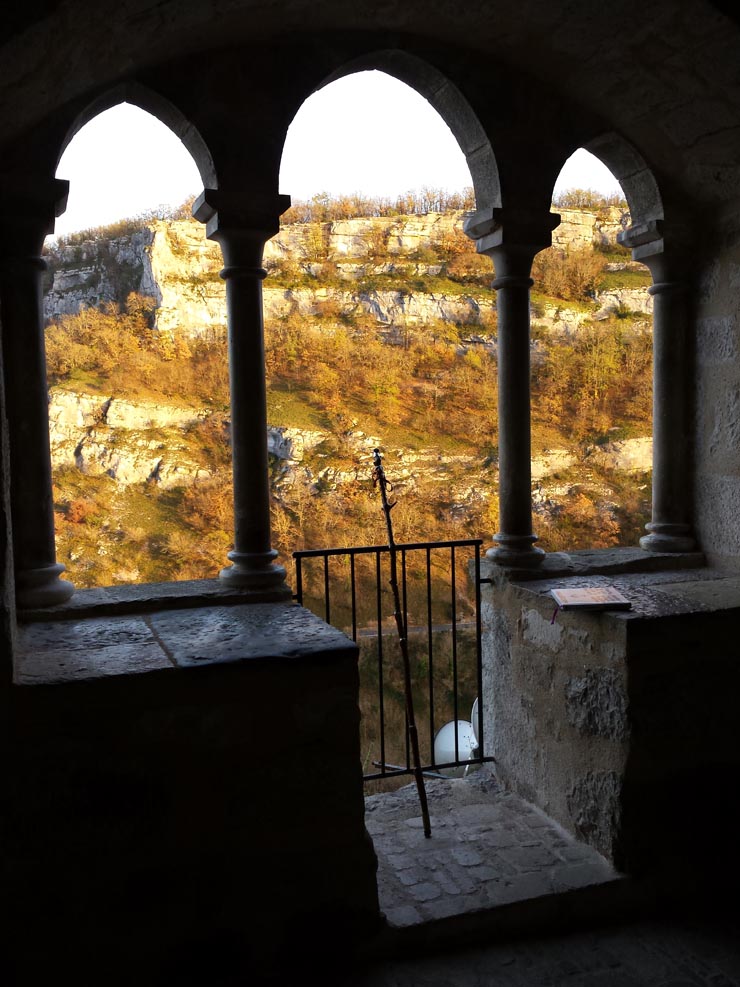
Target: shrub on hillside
572, 274
588, 198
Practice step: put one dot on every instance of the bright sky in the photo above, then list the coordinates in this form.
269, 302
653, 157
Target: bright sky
125, 161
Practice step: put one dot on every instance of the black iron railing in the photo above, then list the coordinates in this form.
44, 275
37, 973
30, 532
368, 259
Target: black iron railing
440, 594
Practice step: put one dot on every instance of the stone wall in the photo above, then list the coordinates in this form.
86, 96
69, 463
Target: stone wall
621, 726
187, 790
7, 581
556, 708
717, 397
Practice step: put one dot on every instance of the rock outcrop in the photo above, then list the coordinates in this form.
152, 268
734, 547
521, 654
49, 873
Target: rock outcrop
130, 442
174, 263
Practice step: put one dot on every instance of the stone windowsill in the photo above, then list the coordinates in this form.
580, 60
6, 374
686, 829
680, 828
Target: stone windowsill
148, 597
110, 643
657, 584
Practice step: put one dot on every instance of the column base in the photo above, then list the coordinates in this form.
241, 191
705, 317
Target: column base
257, 575
516, 552
42, 587
667, 538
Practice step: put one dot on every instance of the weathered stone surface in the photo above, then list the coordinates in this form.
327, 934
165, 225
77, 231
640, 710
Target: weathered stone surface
256, 631
291, 444
594, 804
119, 777
596, 704
724, 423
541, 631
717, 340
551, 461
100, 271
488, 848
174, 263
718, 497
625, 299
54, 666
394, 307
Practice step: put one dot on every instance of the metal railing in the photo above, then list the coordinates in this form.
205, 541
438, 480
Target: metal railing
440, 597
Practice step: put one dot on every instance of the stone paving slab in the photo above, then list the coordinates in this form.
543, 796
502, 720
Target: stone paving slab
488, 848
677, 953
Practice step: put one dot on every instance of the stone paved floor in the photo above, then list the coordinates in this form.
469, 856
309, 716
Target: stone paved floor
491, 848
679, 953
487, 848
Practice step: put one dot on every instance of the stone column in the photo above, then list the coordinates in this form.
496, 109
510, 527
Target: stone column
511, 239
241, 235
28, 211
670, 528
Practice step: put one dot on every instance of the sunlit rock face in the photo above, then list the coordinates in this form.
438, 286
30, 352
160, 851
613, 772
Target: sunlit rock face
172, 262
130, 442
98, 271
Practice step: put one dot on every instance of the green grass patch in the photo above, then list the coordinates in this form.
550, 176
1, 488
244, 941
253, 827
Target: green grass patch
292, 409
541, 301
613, 280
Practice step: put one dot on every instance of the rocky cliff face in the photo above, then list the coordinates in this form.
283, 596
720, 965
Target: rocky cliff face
132, 443
144, 441
93, 273
174, 263
150, 442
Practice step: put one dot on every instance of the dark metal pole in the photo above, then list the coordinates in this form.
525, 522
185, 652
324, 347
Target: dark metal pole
380, 480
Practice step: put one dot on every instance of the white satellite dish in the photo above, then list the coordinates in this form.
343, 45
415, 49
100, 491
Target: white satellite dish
444, 742
474, 721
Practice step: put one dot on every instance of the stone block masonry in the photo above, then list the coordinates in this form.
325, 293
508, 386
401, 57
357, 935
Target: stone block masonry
612, 722
488, 848
187, 778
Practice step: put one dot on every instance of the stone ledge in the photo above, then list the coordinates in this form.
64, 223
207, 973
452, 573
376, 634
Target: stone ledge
657, 584
116, 645
595, 561
653, 594
147, 597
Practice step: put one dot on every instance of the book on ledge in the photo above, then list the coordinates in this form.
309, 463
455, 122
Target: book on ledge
590, 598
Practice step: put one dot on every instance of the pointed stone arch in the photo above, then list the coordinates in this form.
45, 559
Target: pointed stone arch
633, 174
452, 106
158, 106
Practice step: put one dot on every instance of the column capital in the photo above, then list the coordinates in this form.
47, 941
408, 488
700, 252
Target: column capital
666, 250
494, 228
225, 213
29, 205
241, 229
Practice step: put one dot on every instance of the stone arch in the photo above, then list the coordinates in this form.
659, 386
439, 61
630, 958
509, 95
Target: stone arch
633, 174
158, 106
448, 101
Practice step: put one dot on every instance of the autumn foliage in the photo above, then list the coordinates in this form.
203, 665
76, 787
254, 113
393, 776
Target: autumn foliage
338, 371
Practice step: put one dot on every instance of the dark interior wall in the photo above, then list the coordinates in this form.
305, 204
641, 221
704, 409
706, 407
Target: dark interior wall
7, 615
667, 82
717, 394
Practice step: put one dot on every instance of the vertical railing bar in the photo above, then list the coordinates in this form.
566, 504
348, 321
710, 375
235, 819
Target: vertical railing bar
453, 592
406, 634
381, 710
456, 654
327, 605
299, 579
354, 595
430, 645
479, 652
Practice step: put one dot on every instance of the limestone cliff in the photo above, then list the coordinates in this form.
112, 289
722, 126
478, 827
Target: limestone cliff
130, 442
148, 441
172, 262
